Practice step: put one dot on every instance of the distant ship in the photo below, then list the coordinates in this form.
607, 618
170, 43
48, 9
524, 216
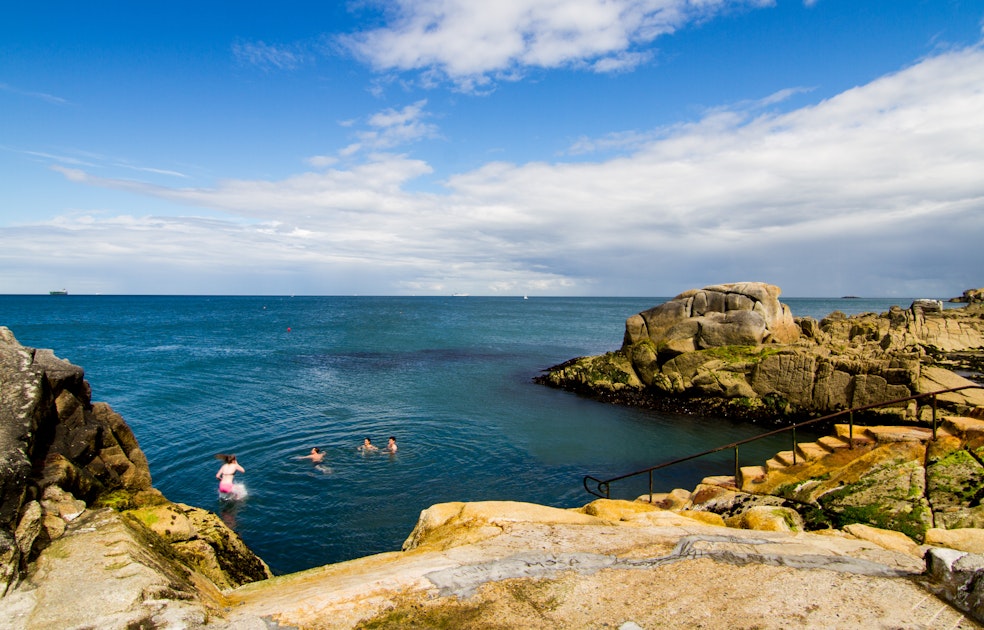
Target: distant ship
58, 292
459, 295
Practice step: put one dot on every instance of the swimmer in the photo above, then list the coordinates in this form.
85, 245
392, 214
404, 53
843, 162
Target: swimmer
391, 445
226, 473
316, 455
368, 446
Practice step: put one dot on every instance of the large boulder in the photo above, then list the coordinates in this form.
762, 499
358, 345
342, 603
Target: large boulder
741, 313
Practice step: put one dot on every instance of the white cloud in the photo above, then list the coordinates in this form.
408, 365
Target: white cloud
391, 128
880, 183
322, 161
467, 41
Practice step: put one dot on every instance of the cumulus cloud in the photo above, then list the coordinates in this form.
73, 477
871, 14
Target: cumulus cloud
855, 186
468, 41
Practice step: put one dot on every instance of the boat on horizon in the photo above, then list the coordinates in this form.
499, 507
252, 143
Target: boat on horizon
58, 292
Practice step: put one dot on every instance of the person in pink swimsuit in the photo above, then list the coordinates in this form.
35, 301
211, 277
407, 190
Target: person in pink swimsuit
227, 472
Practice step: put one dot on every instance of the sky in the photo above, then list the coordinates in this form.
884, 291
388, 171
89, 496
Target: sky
507, 148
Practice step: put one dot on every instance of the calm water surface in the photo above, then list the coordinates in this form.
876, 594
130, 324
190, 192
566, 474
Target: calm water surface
267, 378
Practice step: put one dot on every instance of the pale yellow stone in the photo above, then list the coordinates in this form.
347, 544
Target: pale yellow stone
767, 518
708, 518
933, 379
900, 434
966, 427
166, 521
678, 499
447, 525
615, 509
705, 492
965, 539
892, 540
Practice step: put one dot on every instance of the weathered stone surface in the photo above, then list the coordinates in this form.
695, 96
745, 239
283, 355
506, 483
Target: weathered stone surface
767, 518
167, 521
970, 296
549, 574
676, 499
744, 313
100, 574
935, 379
613, 509
896, 541
955, 485
518, 564
737, 350
957, 579
963, 539
61, 455
239, 565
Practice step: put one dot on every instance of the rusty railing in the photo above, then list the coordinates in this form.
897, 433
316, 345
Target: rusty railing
603, 486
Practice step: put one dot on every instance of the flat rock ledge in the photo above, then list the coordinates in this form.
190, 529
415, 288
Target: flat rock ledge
516, 565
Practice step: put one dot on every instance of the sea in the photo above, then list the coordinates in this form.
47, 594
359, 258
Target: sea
268, 378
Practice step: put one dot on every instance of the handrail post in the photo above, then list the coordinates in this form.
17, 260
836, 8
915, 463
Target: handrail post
737, 471
650, 486
850, 429
934, 416
794, 445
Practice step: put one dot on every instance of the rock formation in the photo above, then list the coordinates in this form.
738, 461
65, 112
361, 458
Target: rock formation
739, 314
872, 527
735, 349
971, 296
69, 466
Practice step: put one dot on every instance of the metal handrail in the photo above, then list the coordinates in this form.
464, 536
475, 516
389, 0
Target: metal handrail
603, 486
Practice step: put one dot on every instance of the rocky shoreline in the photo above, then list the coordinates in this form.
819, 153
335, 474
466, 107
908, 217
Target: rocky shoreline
735, 350
884, 527
74, 484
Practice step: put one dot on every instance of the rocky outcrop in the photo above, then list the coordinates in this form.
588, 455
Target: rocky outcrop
734, 349
98, 547
738, 314
878, 483
970, 296
65, 463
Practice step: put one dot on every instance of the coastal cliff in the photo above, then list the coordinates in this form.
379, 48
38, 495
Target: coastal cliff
83, 533
87, 542
736, 350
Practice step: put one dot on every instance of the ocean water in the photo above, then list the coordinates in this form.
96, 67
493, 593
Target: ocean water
267, 378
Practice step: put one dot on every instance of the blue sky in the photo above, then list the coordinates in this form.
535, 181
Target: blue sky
540, 147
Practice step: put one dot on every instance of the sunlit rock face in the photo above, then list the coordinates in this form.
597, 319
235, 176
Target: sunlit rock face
734, 349
740, 313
